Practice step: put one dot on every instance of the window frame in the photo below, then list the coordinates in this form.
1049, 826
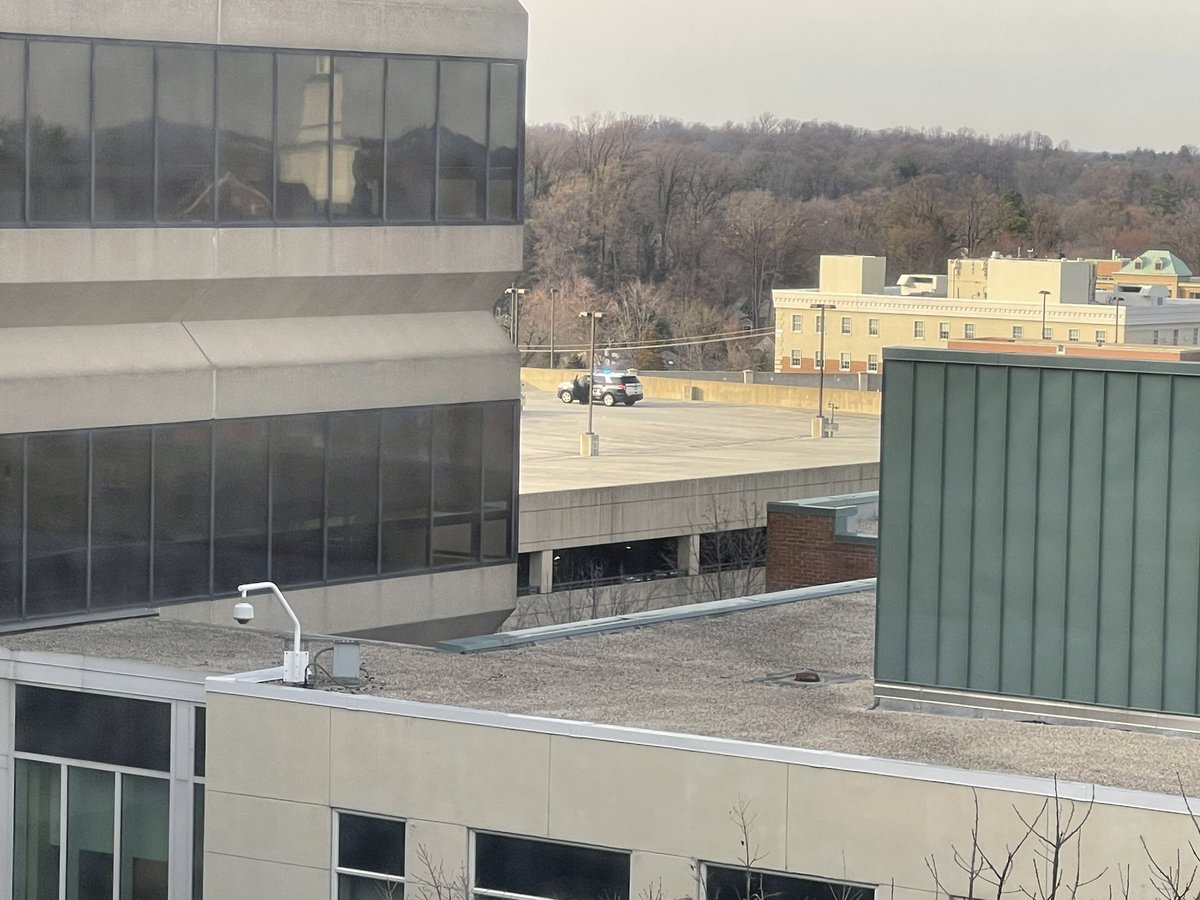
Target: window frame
337, 869
873, 327
497, 894
1073, 335
918, 329
872, 362
797, 323
968, 330
836, 888
943, 331
844, 362
797, 358
847, 325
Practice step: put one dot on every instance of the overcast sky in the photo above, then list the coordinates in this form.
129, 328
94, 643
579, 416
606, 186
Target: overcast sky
1103, 74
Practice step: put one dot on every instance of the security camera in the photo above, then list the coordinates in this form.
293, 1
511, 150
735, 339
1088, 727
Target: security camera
243, 613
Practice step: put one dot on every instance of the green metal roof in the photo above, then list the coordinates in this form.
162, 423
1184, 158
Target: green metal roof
1156, 262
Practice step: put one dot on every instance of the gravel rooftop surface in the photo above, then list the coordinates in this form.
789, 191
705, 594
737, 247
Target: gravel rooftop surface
695, 677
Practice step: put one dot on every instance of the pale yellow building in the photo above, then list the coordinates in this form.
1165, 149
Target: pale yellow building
1002, 297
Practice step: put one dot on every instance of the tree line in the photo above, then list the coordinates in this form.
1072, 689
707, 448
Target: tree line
681, 231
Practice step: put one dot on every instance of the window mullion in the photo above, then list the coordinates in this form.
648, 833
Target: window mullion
118, 783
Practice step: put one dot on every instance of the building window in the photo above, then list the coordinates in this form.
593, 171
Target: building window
370, 857
872, 362
508, 866
969, 330
1101, 335
174, 134
1175, 337
943, 331
797, 323
1196, 335
821, 322
919, 330
1018, 332
1047, 334
845, 325
1155, 338
797, 359
1073, 334
122, 517
728, 883
818, 361
873, 327
844, 362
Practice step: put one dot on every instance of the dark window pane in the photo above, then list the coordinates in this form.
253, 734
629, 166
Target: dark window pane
185, 134
198, 750
502, 142
298, 499
119, 731
197, 842
124, 123
730, 884
241, 507
182, 488
302, 107
353, 507
91, 802
370, 845
357, 138
245, 149
462, 152
499, 444
12, 481
405, 462
543, 869
145, 830
59, 125
57, 511
12, 131
354, 887
411, 120
120, 518
36, 830
457, 454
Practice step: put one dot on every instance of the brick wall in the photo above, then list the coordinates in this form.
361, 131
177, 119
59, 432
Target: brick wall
803, 549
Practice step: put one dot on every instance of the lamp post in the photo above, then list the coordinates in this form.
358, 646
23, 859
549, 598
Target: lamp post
514, 306
1117, 316
818, 423
1044, 294
553, 291
589, 444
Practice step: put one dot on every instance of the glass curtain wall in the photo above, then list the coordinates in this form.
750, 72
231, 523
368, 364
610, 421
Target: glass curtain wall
166, 134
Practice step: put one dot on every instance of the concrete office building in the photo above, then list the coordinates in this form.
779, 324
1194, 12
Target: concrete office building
247, 265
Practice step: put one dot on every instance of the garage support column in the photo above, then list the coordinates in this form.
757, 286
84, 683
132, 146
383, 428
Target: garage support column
541, 571
689, 554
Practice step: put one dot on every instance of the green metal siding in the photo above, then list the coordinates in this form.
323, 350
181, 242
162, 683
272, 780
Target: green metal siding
1040, 528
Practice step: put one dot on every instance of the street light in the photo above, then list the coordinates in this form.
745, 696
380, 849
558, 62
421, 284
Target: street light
819, 422
589, 444
1044, 294
514, 305
553, 291
1117, 324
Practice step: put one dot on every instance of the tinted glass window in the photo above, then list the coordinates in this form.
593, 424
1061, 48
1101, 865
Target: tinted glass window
245, 147
12, 481
405, 472
298, 498
119, 731
240, 450
57, 501
302, 105
411, 120
90, 808
185, 134
457, 452
499, 429
462, 152
59, 127
502, 142
353, 507
357, 138
37, 832
370, 845
730, 884
120, 517
124, 122
543, 869
12, 131
182, 485
198, 750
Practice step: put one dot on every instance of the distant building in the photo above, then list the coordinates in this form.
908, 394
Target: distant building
1154, 267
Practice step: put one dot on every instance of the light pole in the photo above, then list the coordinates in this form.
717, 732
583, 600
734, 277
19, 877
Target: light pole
818, 423
589, 444
1117, 324
514, 307
1044, 294
553, 291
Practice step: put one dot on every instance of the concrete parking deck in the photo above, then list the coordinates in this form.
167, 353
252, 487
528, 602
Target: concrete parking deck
665, 440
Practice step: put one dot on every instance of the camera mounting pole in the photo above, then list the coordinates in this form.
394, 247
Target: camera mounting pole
295, 661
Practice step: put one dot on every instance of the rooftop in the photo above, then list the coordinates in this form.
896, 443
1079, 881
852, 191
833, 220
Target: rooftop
698, 676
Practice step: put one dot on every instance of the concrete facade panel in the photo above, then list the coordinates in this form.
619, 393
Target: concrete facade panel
672, 802
492, 778
179, 20
247, 752
435, 852
236, 877
300, 833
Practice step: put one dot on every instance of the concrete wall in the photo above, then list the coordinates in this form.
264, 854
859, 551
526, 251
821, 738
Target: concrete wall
852, 274
666, 798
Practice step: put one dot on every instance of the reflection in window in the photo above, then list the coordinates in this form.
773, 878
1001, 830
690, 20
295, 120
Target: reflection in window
370, 858
405, 472
120, 517
145, 828
182, 485
240, 448
245, 171
298, 499
499, 436
510, 865
457, 458
502, 142
411, 123
12, 131
90, 812
185, 129
59, 125
56, 555
37, 816
302, 97
357, 188
352, 510
124, 123
462, 136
